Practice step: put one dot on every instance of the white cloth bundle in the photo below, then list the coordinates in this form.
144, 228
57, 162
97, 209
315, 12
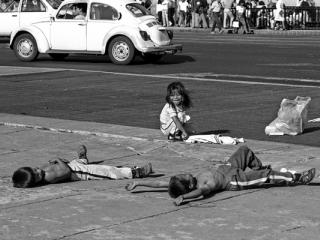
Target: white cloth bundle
214, 138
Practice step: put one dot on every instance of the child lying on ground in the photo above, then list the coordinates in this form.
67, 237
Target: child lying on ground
230, 176
61, 170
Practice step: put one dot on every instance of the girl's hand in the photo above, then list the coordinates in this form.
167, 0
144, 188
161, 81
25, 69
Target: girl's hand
185, 135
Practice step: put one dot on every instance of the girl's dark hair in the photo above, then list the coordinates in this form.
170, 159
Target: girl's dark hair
178, 86
23, 177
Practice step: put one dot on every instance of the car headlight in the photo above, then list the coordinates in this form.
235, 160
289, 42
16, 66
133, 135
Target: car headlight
170, 34
145, 36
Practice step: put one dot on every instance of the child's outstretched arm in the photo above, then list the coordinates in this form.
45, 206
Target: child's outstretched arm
191, 195
151, 184
179, 125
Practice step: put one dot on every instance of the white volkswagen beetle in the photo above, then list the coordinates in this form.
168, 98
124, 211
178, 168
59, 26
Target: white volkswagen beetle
120, 28
16, 13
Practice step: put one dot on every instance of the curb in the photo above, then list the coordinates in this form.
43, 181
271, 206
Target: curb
256, 31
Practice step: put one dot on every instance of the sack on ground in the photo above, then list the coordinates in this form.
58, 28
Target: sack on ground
292, 117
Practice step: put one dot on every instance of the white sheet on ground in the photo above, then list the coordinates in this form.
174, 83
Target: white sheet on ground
214, 138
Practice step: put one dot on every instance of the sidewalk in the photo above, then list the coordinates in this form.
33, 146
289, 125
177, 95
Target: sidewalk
105, 210
256, 31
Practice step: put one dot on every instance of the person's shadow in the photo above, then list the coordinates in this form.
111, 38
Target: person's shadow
311, 129
216, 132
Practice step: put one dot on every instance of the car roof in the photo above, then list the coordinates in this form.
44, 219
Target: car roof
117, 2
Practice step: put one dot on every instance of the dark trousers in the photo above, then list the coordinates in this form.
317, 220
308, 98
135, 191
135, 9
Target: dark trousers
244, 158
216, 21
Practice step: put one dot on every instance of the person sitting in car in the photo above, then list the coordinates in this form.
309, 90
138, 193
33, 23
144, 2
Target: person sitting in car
79, 11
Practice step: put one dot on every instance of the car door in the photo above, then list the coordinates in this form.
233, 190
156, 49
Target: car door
68, 31
103, 18
9, 17
32, 11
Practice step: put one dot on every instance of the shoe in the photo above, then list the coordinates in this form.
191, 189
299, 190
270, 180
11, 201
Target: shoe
220, 31
177, 136
142, 172
82, 152
305, 177
212, 32
265, 167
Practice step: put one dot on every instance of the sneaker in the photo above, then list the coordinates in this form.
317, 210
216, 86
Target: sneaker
220, 31
177, 136
305, 177
266, 167
142, 172
82, 152
212, 32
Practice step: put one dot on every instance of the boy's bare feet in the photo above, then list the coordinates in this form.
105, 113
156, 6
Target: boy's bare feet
130, 186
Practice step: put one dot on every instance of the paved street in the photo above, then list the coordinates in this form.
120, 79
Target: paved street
48, 108
236, 83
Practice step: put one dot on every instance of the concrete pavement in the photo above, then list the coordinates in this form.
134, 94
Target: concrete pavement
293, 32
105, 210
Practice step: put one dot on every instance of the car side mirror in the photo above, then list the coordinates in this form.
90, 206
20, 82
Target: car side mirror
119, 16
52, 19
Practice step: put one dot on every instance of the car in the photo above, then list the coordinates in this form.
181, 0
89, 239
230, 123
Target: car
16, 13
121, 29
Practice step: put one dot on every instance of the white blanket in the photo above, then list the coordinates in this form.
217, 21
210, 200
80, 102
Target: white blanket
213, 138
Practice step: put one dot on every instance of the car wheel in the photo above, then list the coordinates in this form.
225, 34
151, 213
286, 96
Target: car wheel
58, 56
153, 58
25, 47
121, 50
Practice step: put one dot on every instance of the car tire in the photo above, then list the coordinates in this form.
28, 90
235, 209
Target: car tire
58, 56
121, 50
153, 58
25, 47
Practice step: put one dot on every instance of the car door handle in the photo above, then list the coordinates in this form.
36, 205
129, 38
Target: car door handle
15, 15
81, 24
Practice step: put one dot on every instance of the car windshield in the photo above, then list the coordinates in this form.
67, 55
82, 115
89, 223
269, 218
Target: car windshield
137, 9
54, 3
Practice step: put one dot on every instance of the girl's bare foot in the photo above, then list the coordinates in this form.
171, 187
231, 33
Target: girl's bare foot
131, 186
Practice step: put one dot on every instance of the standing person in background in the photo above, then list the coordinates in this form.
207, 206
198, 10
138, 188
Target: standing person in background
195, 4
183, 8
171, 12
227, 13
159, 8
279, 14
241, 16
203, 13
215, 12
165, 20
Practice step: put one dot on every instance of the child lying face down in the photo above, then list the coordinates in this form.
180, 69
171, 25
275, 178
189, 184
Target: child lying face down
230, 176
61, 170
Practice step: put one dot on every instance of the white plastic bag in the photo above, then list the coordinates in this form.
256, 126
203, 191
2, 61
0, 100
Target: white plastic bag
292, 117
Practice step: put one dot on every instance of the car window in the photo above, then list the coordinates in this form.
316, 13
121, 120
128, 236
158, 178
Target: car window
100, 11
54, 3
137, 9
32, 6
9, 6
75, 11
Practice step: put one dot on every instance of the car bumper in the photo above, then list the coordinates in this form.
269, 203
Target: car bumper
169, 49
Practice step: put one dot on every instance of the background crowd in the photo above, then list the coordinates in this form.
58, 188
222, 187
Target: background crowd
272, 14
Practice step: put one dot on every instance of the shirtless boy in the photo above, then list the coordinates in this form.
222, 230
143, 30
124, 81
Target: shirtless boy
227, 177
61, 170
